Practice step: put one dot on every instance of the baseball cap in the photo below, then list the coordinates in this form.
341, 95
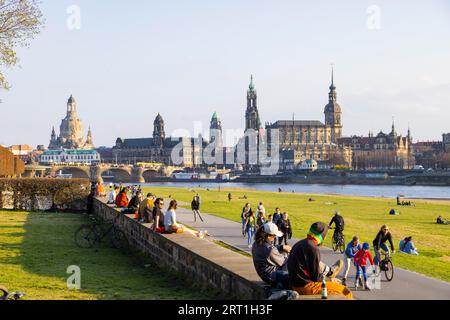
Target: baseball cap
272, 229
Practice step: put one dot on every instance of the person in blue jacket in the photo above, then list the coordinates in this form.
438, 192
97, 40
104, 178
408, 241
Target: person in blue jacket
407, 246
352, 248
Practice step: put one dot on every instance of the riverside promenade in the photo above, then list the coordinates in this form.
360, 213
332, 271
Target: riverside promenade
406, 285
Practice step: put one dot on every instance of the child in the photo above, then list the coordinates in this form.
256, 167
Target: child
360, 260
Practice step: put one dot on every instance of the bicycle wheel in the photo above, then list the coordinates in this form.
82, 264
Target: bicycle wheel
85, 237
389, 270
4, 293
334, 245
119, 240
342, 244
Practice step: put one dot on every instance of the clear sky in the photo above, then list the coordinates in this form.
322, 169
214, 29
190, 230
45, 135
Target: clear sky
189, 58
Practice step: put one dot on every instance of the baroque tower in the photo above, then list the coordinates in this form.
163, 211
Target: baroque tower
159, 134
333, 113
215, 130
252, 120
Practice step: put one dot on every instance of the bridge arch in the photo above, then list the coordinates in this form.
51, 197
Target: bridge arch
76, 172
116, 174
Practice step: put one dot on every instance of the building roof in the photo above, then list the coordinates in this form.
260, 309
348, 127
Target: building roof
297, 123
69, 152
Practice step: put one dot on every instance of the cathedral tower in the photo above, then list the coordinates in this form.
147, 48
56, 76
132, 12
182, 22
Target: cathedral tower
215, 130
333, 113
159, 134
252, 120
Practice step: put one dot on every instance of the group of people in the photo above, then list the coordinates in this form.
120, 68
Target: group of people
148, 209
252, 222
300, 267
441, 220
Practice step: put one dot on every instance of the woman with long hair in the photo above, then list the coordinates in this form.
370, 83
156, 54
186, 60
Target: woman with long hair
170, 219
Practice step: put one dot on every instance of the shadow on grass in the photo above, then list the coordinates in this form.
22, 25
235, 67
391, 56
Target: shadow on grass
47, 249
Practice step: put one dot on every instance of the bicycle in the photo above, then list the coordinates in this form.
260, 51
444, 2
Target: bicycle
6, 295
387, 266
90, 234
339, 243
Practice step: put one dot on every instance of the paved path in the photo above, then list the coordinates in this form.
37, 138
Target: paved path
406, 285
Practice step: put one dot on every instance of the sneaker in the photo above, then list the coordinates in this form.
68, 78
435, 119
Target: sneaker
356, 284
366, 286
336, 269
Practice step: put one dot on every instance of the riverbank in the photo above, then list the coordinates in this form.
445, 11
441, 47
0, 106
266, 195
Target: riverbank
363, 215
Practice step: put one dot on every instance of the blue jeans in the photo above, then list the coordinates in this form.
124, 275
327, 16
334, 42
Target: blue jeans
358, 271
250, 232
280, 279
377, 259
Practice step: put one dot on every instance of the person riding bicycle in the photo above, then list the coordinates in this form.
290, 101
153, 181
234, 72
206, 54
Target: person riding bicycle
379, 243
339, 223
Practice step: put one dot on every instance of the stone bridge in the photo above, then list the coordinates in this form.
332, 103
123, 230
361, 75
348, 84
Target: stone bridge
122, 173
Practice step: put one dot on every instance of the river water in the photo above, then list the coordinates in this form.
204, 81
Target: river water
388, 191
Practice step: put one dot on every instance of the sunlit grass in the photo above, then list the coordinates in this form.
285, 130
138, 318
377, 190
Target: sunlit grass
37, 248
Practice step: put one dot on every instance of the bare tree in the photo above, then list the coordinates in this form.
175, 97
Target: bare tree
20, 22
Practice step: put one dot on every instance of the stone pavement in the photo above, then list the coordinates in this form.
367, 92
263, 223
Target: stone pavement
406, 284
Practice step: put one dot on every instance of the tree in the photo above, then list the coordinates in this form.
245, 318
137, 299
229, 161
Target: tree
20, 22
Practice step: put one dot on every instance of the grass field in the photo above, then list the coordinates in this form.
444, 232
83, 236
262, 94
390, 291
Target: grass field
363, 217
37, 248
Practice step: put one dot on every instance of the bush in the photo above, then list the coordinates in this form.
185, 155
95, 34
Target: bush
44, 194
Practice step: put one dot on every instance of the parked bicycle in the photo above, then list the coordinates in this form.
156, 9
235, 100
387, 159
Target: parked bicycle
338, 242
6, 295
387, 266
89, 235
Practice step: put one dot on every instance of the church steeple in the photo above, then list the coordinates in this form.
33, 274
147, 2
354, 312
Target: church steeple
159, 134
89, 140
252, 120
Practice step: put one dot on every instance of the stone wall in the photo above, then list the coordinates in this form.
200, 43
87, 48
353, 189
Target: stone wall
201, 261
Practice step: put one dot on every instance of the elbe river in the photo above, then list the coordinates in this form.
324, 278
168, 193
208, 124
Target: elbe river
388, 191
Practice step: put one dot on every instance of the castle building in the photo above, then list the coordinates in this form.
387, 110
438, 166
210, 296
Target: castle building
71, 134
158, 148
301, 140
383, 151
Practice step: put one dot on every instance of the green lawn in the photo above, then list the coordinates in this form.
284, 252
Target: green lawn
37, 248
363, 217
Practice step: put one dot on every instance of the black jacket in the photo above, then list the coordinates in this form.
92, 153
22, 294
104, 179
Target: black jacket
381, 239
134, 203
339, 223
304, 263
285, 227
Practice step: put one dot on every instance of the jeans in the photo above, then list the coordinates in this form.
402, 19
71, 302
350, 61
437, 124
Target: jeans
358, 272
281, 279
250, 232
377, 259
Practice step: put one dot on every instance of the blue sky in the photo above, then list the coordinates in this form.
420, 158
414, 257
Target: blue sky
187, 59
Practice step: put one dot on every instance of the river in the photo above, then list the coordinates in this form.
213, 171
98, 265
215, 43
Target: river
391, 191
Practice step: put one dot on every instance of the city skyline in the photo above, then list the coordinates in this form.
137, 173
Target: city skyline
188, 73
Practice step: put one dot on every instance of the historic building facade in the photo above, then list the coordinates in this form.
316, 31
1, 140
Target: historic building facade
71, 134
383, 151
159, 148
301, 140
10, 165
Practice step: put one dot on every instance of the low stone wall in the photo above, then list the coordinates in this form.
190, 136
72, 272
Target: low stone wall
203, 262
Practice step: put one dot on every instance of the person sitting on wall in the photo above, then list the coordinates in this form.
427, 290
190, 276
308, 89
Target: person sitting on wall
146, 208
270, 261
133, 205
158, 216
407, 246
170, 219
112, 195
121, 199
306, 271
100, 190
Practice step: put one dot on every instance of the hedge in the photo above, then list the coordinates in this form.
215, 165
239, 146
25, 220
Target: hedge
32, 194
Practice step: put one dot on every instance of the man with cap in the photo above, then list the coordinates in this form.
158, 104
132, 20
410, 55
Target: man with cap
270, 261
306, 271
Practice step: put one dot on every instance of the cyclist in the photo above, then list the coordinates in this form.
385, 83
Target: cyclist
379, 243
339, 223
